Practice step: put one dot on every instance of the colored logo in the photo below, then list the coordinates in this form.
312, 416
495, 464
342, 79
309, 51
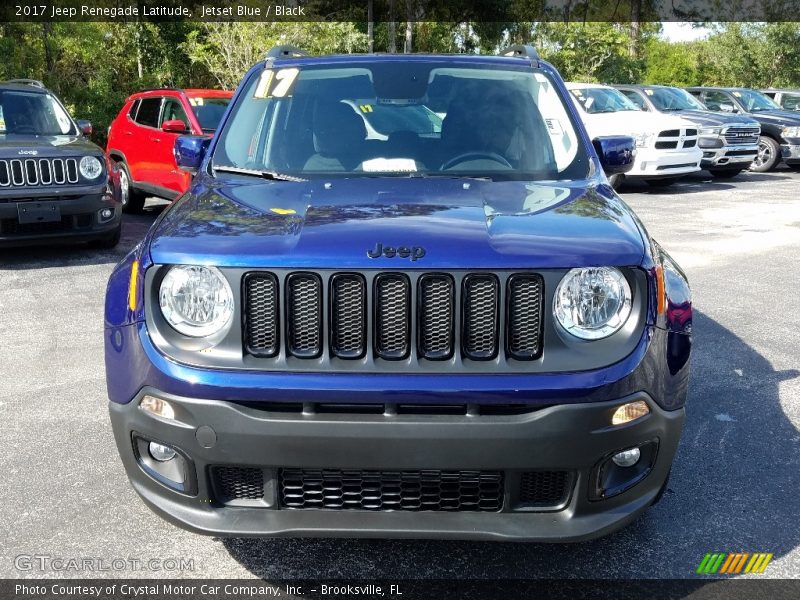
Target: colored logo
732, 563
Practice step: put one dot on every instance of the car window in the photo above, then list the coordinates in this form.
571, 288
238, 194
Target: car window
595, 100
754, 101
149, 112
790, 101
209, 111
636, 98
173, 111
399, 118
714, 100
31, 113
134, 108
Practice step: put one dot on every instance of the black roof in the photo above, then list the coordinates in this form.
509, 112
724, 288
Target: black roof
20, 86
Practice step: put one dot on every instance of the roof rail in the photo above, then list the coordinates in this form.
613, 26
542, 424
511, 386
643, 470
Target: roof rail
286, 51
32, 82
521, 50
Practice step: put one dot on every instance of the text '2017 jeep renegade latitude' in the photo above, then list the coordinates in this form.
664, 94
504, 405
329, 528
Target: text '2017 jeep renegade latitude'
462, 333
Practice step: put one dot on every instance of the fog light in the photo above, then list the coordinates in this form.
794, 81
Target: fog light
157, 406
106, 213
630, 412
626, 458
164, 453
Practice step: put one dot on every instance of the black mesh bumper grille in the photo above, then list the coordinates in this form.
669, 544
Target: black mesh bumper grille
544, 488
392, 316
238, 483
478, 491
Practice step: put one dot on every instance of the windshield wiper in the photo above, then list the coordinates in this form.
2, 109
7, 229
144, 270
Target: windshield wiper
271, 175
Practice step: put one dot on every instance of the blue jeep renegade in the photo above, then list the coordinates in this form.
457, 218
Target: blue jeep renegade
400, 299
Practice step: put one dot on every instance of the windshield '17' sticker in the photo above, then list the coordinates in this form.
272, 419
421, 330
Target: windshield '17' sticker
276, 84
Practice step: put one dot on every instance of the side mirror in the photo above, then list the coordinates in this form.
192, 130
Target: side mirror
174, 126
728, 108
616, 153
84, 126
190, 151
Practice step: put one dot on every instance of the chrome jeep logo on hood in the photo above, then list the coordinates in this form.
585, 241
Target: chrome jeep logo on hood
28, 152
413, 252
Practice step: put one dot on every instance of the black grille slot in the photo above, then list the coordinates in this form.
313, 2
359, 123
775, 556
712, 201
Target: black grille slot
689, 143
348, 315
481, 299
670, 133
426, 490
392, 316
666, 145
45, 172
436, 316
691, 132
238, 483
17, 173
261, 314
544, 488
304, 315
523, 319
72, 170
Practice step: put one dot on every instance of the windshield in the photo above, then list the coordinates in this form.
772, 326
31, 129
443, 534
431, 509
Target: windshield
596, 100
393, 118
667, 99
754, 101
209, 111
31, 113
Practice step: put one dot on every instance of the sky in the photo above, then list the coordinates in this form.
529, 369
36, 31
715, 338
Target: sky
682, 32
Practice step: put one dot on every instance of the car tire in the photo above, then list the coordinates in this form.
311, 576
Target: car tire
769, 155
131, 198
109, 242
724, 173
616, 180
660, 183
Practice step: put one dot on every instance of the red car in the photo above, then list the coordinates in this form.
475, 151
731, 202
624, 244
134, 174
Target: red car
142, 137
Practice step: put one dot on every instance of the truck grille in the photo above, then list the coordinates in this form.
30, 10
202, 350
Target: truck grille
676, 139
426, 490
34, 172
394, 316
741, 135
544, 488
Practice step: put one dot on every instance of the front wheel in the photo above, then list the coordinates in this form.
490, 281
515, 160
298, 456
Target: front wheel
132, 199
769, 153
111, 241
616, 180
724, 173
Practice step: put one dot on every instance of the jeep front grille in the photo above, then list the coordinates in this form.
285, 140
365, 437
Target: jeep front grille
424, 490
36, 172
394, 316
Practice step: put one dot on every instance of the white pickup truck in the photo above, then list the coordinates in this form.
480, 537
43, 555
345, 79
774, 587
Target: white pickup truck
666, 146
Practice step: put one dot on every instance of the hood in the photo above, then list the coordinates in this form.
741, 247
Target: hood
709, 118
457, 223
631, 122
54, 146
777, 117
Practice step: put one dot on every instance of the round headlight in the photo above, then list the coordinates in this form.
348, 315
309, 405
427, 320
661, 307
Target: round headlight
91, 167
593, 303
196, 301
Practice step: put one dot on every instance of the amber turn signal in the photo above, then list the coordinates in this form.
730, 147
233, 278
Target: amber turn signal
630, 412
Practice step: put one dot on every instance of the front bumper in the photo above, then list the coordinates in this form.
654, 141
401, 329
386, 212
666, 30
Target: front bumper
790, 153
730, 156
563, 437
654, 164
80, 219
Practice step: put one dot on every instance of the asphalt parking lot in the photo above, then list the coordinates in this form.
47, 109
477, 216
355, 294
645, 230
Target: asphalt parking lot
734, 485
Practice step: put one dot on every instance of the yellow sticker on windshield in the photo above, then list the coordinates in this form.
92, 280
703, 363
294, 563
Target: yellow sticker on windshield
276, 84
284, 211
649, 92
365, 108
737, 94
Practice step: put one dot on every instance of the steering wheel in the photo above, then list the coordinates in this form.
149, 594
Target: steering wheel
493, 156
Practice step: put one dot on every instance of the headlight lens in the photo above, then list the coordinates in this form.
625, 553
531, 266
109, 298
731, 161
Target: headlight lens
196, 301
710, 130
642, 139
593, 303
91, 167
791, 132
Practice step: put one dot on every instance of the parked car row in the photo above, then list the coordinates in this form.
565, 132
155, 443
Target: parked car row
677, 131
